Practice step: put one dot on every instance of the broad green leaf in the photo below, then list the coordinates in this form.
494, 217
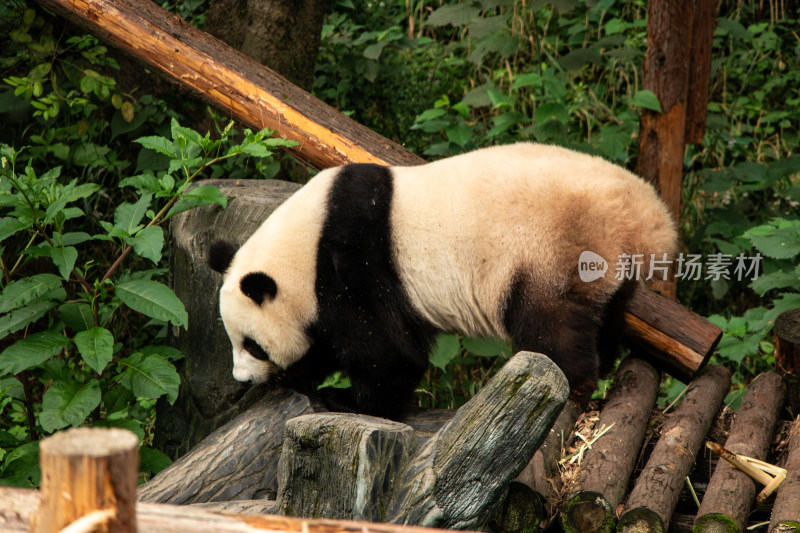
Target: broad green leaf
9, 226
161, 145
25, 290
31, 351
152, 461
196, 197
134, 426
153, 299
170, 352
150, 376
647, 100
76, 315
551, 111
527, 79
67, 403
486, 347
444, 350
148, 243
454, 14
117, 400
775, 280
96, 346
127, 216
64, 258
779, 239
459, 134
576, 59
180, 131
19, 318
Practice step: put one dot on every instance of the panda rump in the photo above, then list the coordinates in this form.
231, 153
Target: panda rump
364, 265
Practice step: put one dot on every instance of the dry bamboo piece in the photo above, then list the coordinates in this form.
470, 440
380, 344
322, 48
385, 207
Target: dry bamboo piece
86, 470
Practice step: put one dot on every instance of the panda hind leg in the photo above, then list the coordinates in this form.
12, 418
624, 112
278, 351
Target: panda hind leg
566, 332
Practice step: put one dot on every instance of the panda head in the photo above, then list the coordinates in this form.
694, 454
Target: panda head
264, 327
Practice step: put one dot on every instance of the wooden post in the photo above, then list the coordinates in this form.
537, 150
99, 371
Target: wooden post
786, 509
677, 69
604, 473
337, 465
730, 493
655, 494
89, 474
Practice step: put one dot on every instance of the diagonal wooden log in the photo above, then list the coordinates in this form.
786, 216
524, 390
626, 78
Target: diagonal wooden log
230, 80
651, 502
457, 477
786, 509
603, 476
239, 461
730, 493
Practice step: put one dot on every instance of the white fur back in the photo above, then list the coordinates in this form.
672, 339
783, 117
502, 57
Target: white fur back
464, 225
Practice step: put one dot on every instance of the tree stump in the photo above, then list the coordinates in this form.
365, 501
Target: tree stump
607, 466
341, 465
239, 461
730, 493
520, 512
655, 494
209, 397
786, 509
88, 473
457, 477
787, 354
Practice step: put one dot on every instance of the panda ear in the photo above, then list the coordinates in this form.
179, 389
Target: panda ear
257, 286
220, 256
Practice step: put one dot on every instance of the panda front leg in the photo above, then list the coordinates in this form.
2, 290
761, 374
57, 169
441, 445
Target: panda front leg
385, 387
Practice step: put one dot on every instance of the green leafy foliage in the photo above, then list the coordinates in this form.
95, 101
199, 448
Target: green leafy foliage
83, 303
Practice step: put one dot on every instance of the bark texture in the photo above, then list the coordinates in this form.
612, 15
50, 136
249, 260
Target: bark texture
238, 461
786, 509
655, 494
607, 467
281, 34
730, 493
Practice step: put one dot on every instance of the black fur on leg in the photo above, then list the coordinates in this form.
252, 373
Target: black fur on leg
565, 331
612, 330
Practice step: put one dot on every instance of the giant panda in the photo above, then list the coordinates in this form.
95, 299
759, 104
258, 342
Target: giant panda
365, 264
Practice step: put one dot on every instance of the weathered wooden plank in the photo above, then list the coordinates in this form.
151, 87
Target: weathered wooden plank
238, 461
786, 509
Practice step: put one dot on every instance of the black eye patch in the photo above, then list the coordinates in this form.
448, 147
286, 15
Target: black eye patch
255, 349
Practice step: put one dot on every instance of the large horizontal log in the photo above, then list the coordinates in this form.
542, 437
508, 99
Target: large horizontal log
679, 341
18, 505
230, 80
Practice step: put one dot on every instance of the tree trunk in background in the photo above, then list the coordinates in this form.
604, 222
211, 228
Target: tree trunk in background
281, 34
